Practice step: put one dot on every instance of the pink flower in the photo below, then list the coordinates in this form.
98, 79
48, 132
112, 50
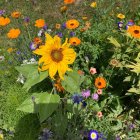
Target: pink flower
99, 91
99, 114
86, 93
93, 70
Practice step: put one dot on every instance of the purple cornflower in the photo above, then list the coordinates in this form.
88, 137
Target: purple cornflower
45, 27
95, 96
60, 35
46, 135
120, 25
93, 135
18, 52
130, 23
131, 126
86, 93
77, 98
26, 19
72, 34
84, 104
63, 26
2, 12
33, 46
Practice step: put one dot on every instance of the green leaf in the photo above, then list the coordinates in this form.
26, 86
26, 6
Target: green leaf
72, 82
26, 69
28, 105
30, 71
114, 41
34, 77
47, 104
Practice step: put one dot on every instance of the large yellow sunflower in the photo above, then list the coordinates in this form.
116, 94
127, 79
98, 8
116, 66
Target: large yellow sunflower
55, 57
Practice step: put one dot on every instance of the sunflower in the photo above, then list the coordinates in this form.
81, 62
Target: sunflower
121, 16
69, 1
13, 33
4, 21
100, 82
55, 57
72, 24
74, 41
40, 23
134, 31
16, 14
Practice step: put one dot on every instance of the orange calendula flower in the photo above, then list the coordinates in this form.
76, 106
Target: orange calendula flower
72, 24
58, 85
63, 9
74, 41
121, 16
134, 31
37, 40
16, 14
80, 72
69, 1
4, 21
57, 26
40, 23
100, 82
13, 33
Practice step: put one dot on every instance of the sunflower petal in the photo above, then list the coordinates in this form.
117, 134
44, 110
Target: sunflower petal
57, 42
52, 69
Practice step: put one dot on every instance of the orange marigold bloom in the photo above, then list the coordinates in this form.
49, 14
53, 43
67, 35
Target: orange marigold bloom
4, 21
72, 24
69, 1
40, 23
100, 82
74, 41
58, 85
37, 40
80, 72
134, 31
13, 33
16, 14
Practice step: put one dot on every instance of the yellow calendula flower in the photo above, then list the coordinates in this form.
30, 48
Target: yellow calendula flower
121, 16
93, 4
10, 50
55, 57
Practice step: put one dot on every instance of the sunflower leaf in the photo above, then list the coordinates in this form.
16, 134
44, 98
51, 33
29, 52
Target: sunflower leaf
72, 82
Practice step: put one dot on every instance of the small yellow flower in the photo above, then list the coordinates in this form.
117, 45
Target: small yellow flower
1, 137
121, 16
10, 50
84, 18
93, 4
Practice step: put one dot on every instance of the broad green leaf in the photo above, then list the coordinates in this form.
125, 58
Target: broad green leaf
72, 82
114, 41
47, 104
34, 77
30, 71
28, 104
26, 69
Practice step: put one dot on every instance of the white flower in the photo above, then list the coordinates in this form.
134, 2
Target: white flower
2, 58
21, 79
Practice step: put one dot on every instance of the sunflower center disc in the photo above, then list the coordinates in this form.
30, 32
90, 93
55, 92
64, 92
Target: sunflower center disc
136, 32
57, 55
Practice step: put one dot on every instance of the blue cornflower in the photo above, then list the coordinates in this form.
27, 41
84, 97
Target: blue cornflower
72, 34
93, 135
63, 26
2, 12
77, 98
46, 135
33, 46
60, 35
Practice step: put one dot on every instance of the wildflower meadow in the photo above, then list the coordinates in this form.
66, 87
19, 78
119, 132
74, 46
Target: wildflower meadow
69, 70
